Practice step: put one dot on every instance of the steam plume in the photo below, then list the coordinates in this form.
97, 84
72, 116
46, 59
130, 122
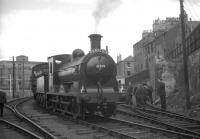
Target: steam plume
103, 8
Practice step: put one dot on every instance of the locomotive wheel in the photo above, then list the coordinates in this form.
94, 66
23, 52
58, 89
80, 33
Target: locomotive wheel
82, 110
107, 112
90, 110
75, 109
79, 111
76, 112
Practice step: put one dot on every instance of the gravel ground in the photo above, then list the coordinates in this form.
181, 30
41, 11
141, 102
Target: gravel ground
59, 127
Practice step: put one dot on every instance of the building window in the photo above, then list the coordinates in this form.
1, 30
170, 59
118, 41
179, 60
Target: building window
128, 73
9, 70
51, 66
151, 48
128, 64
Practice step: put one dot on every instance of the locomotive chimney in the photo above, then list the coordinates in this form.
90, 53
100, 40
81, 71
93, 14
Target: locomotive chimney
95, 40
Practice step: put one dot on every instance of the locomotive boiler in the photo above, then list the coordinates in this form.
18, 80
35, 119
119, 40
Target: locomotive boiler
76, 83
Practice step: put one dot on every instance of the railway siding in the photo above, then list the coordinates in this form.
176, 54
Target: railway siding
164, 119
13, 117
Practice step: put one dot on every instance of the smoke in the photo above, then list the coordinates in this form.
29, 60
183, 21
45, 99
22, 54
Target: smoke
103, 8
9, 6
170, 82
167, 74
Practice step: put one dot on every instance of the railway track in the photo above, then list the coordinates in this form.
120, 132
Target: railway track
10, 131
14, 117
168, 120
117, 128
175, 119
95, 127
63, 126
60, 125
127, 129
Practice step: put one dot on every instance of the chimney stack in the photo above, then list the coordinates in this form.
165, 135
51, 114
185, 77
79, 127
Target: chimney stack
95, 40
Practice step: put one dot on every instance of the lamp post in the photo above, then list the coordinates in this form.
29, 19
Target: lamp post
10, 79
13, 76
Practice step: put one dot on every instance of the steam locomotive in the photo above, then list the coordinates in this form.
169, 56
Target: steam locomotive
78, 84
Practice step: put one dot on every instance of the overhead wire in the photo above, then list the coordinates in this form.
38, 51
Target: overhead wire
190, 7
190, 13
196, 4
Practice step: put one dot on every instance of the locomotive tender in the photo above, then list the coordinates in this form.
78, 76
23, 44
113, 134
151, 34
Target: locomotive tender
78, 84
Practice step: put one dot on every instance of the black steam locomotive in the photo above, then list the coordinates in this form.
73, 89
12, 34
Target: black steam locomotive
78, 84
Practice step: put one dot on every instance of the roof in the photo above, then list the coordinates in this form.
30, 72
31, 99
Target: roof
129, 58
138, 77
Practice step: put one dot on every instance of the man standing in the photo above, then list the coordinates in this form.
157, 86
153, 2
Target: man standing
161, 92
134, 102
129, 92
141, 96
2, 102
149, 92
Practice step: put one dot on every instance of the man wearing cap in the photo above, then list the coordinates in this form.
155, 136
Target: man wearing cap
2, 102
162, 94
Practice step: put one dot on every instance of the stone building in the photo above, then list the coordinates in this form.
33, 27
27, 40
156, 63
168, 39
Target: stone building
125, 68
140, 48
164, 43
22, 68
163, 25
175, 56
169, 47
140, 55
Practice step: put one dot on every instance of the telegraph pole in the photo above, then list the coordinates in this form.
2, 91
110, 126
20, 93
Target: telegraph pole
23, 76
182, 17
13, 77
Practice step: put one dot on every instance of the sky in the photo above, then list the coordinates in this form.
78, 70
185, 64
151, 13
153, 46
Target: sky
42, 28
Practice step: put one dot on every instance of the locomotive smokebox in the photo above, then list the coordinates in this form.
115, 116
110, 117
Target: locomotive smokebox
95, 40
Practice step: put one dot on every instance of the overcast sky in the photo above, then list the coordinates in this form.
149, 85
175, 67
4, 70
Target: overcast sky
41, 28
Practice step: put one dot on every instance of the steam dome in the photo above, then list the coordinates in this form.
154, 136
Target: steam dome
77, 53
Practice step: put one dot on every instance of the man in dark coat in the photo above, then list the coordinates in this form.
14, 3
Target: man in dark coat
141, 96
129, 92
162, 94
3, 100
133, 99
149, 92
